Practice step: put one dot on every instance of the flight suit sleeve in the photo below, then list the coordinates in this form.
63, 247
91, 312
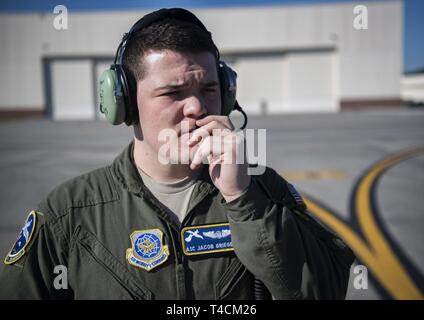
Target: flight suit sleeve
32, 276
281, 245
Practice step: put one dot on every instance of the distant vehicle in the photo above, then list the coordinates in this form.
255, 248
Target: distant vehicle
412, 87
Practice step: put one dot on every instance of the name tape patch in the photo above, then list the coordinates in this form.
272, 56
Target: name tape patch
206, 239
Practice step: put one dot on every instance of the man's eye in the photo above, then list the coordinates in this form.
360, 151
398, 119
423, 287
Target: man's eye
170, 93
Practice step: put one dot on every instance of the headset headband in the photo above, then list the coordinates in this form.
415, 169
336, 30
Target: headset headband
162, 14
118, 90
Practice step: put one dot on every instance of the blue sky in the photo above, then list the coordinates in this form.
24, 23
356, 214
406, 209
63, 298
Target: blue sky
413, 15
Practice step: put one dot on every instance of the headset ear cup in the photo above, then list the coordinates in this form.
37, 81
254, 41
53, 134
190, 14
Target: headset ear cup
227, 78
111, 101
130, 93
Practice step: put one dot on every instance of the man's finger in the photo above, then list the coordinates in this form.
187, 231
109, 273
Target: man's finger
225, 120
209, 146
207, 130
227, 146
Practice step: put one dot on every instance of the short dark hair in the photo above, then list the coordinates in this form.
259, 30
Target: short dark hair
167, 34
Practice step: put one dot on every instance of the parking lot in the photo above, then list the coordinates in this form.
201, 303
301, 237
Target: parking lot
361, 173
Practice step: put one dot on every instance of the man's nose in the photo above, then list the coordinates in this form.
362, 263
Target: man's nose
194, 108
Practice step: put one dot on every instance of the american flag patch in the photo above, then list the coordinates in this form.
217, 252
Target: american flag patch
296, 196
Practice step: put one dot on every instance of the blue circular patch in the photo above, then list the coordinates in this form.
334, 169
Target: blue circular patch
24, 236
147, 245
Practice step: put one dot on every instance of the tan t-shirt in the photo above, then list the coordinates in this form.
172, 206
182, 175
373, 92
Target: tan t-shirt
175, 196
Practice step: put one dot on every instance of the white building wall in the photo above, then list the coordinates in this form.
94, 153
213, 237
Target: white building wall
368, 62
365, 55
20, 66
371, 61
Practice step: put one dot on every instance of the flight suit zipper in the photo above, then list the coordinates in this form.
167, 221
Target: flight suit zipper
180, 260
174, 238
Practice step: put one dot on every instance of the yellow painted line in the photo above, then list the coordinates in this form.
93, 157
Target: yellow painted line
392, 274
376, 252
313, 175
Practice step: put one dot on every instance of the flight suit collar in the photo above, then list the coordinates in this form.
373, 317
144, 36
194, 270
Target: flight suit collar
126, 173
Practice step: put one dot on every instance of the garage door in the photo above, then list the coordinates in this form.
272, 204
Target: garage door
297, 81
259, 83
72, 90
311, 80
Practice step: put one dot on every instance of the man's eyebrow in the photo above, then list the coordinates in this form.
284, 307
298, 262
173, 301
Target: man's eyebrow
171, 86
208, 84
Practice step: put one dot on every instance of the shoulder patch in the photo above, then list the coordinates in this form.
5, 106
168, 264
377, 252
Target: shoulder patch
24, 238
295, 195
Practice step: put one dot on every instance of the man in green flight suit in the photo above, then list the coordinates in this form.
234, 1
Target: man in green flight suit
183, 227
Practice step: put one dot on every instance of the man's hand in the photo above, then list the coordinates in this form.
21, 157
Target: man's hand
216, 141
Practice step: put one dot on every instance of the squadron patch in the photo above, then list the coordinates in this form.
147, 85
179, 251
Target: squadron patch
147, 250
206, 239
18, 249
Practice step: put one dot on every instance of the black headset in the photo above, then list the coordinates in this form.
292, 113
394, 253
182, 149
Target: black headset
118, 90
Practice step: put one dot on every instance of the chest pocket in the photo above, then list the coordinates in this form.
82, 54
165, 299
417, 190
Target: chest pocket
235, 283
96, 274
